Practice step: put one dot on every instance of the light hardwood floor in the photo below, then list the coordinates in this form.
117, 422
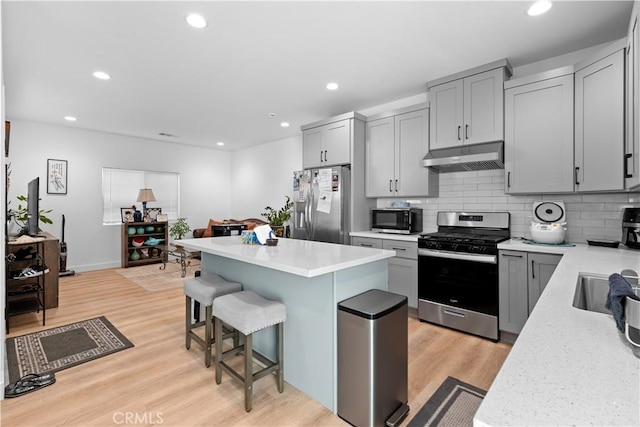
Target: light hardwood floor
159, 382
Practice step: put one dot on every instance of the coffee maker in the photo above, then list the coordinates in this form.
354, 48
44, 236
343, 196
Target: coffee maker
631, 228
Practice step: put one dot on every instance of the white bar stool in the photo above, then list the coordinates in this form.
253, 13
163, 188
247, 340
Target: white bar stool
247, 312
205, 288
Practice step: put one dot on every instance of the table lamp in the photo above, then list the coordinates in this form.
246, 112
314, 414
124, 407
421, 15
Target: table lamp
145, 195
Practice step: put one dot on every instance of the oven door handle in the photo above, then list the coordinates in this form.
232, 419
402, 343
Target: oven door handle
489, 259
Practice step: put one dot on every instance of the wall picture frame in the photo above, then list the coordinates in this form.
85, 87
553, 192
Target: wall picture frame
126, 214
56, 176
162, 217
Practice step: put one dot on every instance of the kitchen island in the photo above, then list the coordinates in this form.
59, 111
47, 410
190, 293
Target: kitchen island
568, 366
310, 278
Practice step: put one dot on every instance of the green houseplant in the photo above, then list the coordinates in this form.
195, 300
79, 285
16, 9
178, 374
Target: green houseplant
21, 214
179, 229
277, 218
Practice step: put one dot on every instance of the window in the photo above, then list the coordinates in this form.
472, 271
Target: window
120, 190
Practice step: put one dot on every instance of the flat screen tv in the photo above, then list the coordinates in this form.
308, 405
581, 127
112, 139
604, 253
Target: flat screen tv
33, 199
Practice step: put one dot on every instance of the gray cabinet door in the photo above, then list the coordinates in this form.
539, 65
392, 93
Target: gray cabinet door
312, 155
336, 142
446, 115
403, 278
484, 107
541, 267
539, 131
513, 308
599, 125
412, 144
379, 154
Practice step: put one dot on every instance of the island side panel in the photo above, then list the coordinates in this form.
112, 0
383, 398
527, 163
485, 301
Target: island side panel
309, 332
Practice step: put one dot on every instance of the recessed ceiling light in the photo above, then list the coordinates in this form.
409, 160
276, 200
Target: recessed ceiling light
284, 124
220, 143
196, 20
332, 86
272, 114
101, 75
539, 7
70, 118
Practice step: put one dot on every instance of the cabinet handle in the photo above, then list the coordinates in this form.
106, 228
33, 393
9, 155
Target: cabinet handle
509, 179
458, 133
396, 185
399, 249
577, 169
512, 255
366, 245
466, 131
626, 165
320, 156
533, 271
390, 186
325, 155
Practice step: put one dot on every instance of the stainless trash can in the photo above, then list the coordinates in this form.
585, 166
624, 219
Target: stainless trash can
372, 358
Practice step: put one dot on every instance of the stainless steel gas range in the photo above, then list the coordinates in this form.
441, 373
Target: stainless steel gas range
458, 271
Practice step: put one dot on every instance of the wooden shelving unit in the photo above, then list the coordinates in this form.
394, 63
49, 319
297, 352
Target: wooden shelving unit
148, 254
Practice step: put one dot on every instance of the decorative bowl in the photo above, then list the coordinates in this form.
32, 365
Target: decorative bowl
137, 241
131, 230
149, 228
272, 242
140, 230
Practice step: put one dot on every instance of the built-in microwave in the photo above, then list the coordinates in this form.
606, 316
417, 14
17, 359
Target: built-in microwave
396, 220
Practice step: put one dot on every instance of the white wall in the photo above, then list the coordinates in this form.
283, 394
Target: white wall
204, 181
262, 176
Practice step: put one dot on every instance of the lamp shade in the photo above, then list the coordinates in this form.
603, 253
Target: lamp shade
146, 195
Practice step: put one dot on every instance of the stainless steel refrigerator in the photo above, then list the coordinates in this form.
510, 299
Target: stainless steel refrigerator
321, 204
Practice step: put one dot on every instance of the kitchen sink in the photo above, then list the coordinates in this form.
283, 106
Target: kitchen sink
591, 292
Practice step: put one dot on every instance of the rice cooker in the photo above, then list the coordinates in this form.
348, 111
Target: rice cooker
548, 222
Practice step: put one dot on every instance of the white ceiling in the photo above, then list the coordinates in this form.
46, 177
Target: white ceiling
255, 58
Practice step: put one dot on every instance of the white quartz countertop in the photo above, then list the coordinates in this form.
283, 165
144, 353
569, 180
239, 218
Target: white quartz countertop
568, 366
301, 257
386, 236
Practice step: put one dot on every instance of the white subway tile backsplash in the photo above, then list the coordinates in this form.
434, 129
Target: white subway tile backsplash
588, 216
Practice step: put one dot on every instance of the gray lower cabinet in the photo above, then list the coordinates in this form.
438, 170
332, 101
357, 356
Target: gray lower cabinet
522, 277
403, 268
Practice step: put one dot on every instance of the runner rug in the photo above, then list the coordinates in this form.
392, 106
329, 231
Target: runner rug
454, 404
60, 348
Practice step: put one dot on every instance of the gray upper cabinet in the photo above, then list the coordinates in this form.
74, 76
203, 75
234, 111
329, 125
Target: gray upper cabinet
632, 152
394, 148
470, 109
599, 122
539, 131
330, 142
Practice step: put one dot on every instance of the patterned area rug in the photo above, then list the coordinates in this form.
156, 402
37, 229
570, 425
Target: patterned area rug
455, 403
60, 348
151, 278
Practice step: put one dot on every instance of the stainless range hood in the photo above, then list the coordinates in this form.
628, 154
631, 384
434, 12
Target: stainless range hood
466, 158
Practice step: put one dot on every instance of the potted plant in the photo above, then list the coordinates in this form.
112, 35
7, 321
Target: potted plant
21, 214
179, 229
277, 218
